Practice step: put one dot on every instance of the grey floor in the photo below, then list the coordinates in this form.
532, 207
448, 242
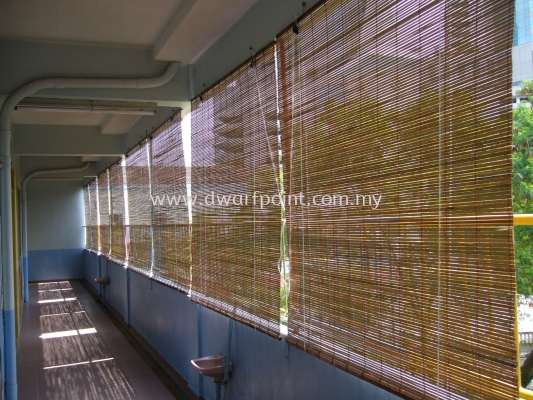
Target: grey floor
69, 349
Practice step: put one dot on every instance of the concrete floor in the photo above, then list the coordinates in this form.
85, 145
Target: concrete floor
69, 349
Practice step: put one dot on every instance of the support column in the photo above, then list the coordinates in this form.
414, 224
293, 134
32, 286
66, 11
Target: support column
8, 278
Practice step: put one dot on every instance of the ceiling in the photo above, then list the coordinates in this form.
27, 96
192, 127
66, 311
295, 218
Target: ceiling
169, 30
175, 30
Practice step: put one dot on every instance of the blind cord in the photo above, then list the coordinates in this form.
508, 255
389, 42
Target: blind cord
440, 218
296, 58
150, 188
254, 67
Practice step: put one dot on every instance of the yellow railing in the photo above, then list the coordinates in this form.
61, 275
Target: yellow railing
521, 219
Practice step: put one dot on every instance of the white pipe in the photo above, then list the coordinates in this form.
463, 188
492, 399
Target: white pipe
80, 83
24, 219
8, 279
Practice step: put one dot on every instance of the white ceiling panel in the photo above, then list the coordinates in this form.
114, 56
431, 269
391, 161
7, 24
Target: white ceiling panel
106, 22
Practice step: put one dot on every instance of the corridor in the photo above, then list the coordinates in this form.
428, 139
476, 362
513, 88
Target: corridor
69, 349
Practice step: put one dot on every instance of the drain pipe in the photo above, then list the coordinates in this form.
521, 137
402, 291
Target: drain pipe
24, 219
8, 278
228, 353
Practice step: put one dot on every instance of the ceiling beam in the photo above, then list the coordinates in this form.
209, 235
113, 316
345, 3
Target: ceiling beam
50, 140
160, 47
196, 26
118, 124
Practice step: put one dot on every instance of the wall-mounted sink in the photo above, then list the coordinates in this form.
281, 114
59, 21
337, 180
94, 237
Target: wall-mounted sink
212, 366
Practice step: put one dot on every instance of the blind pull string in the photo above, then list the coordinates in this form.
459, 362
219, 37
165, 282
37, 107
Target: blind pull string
282, 259
253, 65
440, 218
126, 222
296, 57
110, 214
254, 230
150, 183
89, 223
97, 200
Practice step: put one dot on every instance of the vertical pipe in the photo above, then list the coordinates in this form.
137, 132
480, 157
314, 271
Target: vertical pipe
228, 352
24, 225
98, 258
104, 287
200, 350
218, 390
128, 296
8, 278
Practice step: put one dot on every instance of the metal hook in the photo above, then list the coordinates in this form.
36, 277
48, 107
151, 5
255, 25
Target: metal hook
253, 63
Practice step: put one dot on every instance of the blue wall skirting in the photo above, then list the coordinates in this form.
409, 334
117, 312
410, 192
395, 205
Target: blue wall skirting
265, 368
55, 264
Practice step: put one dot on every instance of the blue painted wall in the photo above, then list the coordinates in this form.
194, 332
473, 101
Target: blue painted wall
265, 368
56, 264
91, 267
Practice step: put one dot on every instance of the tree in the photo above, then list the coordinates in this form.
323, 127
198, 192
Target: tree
522, 191
522, 188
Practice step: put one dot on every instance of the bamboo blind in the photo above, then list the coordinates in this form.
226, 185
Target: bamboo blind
87, 209
235, 248
92, 222
171, 220
103, 209
139, 234
118, 217
407, 100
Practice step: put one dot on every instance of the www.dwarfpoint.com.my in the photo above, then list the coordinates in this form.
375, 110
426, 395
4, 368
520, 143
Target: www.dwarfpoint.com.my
260, 200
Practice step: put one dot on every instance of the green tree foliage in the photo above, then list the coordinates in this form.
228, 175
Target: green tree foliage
522, 188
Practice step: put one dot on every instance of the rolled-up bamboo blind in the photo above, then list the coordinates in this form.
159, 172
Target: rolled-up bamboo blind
118, 213
103, 209
139, 235
235, 247
92, 223
409, 102
172, 260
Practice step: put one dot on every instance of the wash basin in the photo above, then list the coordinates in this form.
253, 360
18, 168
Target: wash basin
212, 366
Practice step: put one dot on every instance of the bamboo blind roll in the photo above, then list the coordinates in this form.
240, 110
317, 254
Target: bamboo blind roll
104, 211
118, 217
236, 245
171, 214
93, 238
405, 109
87, 211
139, 231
